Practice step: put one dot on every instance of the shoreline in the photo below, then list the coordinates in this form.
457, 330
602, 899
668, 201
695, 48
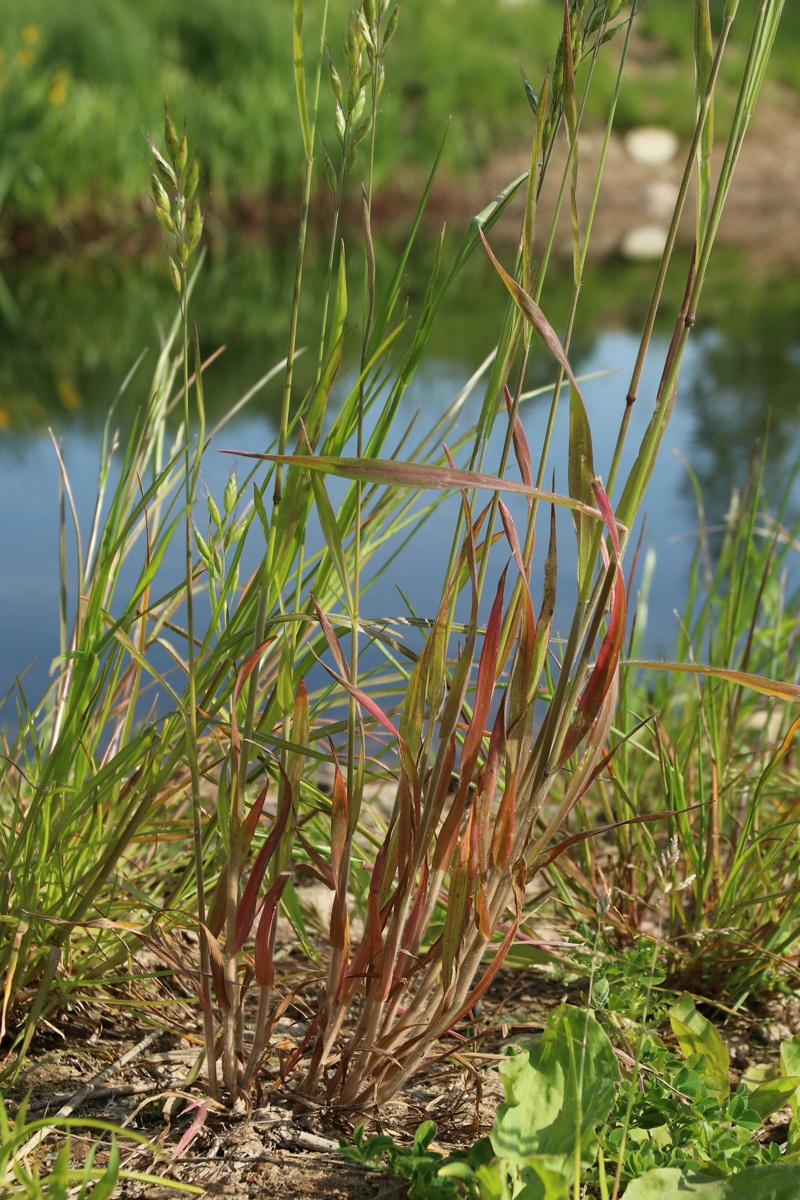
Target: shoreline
761, 218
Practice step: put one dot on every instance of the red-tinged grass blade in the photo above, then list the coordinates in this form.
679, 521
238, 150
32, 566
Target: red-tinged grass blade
531, 311
246, 909
524, 604
387, 973
425, 684
548, 605
482, 985
589, 765
607, 663
513, 540
340, 937
301, 728
416, 475
333, 642
522, 611
485, 683
457, 914
249, 665
264, 965
216, 913
486, 788
757, 683
407, 764
373, 942
520, 681
413, 929
604, 504
191, 1133
323, 872
161, 948
503, 833
550, 856
521, 448
217, 966
482, 920
339, 823
250, 823
602, 674
484, 690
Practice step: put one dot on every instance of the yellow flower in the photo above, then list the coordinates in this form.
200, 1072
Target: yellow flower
31, 34
5, 417
59, 86
24, 56
68, 394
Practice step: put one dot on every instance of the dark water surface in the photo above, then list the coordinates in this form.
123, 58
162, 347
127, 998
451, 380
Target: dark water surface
85, 322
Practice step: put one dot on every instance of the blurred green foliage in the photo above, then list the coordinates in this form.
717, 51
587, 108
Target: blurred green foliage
106, 66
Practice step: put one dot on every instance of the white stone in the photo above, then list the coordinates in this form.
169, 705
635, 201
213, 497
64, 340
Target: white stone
644, 243
651, 146
660, 197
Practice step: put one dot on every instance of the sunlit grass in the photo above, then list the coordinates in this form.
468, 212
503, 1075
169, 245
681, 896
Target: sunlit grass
128, 822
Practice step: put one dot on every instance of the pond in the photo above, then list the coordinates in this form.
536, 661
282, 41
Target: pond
85, 321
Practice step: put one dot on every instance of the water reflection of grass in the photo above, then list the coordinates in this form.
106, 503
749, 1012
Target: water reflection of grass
87, 321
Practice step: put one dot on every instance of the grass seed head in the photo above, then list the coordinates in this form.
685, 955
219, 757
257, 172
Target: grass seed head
170, 134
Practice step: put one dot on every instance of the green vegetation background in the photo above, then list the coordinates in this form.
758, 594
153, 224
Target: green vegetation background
78, 80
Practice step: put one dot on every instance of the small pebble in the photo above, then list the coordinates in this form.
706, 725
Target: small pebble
644, 243
651, 146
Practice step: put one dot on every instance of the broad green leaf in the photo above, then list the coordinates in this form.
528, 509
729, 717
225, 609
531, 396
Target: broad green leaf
548, 1183
778, 1182
773, 1094
696, 1035
790, 1065
563, 1082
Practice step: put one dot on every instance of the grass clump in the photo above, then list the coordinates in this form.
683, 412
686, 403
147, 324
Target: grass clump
131, 821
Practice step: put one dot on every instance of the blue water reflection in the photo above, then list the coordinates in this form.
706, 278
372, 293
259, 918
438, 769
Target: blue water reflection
731, 373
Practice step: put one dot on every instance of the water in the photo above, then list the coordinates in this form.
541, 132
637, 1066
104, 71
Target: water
86, 322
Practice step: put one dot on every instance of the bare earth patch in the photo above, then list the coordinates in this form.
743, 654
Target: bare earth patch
121, 1070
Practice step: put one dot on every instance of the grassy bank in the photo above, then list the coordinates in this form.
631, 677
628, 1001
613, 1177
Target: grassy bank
79, 81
